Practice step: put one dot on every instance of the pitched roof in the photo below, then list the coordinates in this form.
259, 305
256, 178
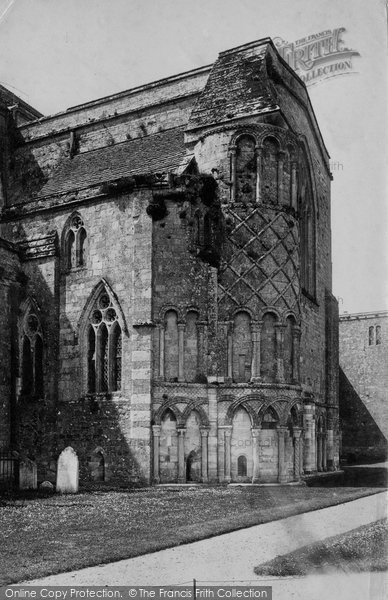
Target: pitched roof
237, 87
157, 153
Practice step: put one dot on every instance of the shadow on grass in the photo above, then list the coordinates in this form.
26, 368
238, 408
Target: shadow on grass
355, 476
361, 549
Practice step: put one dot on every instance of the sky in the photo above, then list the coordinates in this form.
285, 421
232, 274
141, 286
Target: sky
60, 53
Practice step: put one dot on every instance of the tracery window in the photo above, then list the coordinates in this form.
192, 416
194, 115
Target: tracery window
75, 243
32, 355
104, 347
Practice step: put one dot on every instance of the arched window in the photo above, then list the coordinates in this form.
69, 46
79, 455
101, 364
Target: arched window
104, 347
75, 243
268, 348
81, 238
270, 166
242, 466
191, 346
378, 335
32, 354
307, 231
38, 366
270, 419
116, 356
246, 169
289, 349
242, 347
171, 346
27, 367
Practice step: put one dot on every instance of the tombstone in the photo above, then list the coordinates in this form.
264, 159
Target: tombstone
28, 475
67, 472
46, 486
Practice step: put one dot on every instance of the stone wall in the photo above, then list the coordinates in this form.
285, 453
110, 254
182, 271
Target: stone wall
364, 385
10, 279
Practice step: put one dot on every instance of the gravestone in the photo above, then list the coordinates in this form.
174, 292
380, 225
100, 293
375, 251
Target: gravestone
47, 486
67, 472
28, 476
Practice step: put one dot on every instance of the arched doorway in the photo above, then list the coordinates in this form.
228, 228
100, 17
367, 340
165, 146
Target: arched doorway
269, 447
193, 467
293, 445
241, 447
168, 448
193, 452
242, 466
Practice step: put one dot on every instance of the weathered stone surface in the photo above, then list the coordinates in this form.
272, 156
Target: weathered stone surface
364, 385
28, 475
67, 472
181, 205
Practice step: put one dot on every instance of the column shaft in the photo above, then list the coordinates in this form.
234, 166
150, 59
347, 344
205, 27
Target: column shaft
256, 341
233, 178
297, 432
204, 467
282, 477
258, 174
293, 186
279, 330
161, 351
156, 434
255, 455
230, 352
181, 351
324, 452
228, 435
296, 333
280, 177
181, 456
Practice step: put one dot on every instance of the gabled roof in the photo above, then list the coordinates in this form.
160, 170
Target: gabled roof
157, 153
237, 87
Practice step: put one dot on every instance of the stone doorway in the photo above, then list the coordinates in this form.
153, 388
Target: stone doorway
193, 468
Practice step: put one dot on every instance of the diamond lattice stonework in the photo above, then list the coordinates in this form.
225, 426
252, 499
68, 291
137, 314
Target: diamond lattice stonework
261, 266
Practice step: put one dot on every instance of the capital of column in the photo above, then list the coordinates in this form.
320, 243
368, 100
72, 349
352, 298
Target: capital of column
228, 431
181, 430
256, 432
297, 432
204, 432
181, 325
256, 326
156, 430
201, 325
296, 331
281, 430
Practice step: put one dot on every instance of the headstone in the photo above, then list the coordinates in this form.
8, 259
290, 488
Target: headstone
46, 485
67, 472
28, 476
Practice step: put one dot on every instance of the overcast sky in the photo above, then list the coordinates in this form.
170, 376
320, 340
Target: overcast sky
58, 53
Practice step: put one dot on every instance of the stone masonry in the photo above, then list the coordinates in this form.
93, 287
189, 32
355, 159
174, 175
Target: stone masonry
363, 388
166, 280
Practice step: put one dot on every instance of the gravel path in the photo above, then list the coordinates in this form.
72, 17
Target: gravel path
231, 557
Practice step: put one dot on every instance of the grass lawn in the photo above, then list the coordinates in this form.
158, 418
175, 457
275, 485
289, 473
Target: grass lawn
62, 533
362, 549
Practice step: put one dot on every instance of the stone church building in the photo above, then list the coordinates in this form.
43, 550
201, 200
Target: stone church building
165, 280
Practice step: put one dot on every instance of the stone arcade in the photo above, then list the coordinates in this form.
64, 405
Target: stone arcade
166, 280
